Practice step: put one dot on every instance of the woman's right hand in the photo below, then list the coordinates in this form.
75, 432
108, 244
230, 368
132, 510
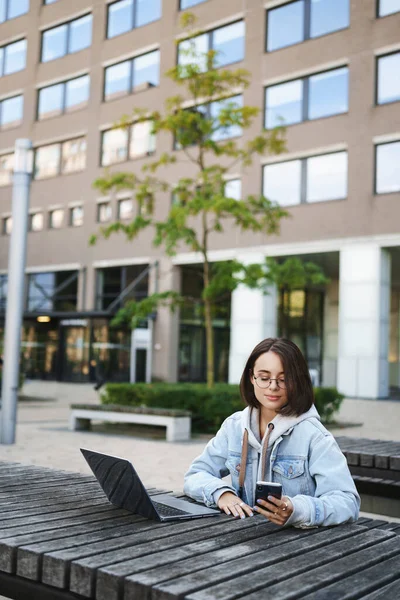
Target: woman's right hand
233, 505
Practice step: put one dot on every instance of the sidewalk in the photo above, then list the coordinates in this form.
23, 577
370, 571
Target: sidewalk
43, 437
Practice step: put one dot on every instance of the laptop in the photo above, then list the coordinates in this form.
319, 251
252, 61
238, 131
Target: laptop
123, 487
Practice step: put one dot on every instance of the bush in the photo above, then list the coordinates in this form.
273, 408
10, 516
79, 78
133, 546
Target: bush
209, 408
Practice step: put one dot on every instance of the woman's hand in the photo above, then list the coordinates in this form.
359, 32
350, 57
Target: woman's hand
277, 510
232, 505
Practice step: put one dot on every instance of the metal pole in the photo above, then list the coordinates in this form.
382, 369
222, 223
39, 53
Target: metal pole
15, 289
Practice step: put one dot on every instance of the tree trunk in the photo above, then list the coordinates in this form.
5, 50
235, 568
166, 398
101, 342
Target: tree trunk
209, 330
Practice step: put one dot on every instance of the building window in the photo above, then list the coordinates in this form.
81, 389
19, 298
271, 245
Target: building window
132, 75
7, 225
133, 142
125, 209
64, 97
189, 3
66, 38
387, 168
301, 20
11, 112
3, 292
112, 281
6, 169
228, 42
321, 95
76, 216
309, 180
104, 212
49, 1
56, 218
388, 89
126, 15
52, 291
233, 189
388, 7
10, 9
60, 158
13, 57
36, 221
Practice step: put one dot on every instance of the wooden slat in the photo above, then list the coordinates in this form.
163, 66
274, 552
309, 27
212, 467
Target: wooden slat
387, 592
287, 560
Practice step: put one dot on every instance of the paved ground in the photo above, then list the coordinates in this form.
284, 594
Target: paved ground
43, 437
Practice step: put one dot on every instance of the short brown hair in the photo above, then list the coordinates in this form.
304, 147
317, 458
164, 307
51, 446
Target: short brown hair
299, 388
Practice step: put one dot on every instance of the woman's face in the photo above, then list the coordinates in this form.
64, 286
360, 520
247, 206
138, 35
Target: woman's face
269, 366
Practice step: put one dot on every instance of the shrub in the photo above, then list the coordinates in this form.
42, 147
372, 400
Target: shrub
209, 407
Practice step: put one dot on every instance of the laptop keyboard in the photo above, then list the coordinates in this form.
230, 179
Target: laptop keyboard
168, 511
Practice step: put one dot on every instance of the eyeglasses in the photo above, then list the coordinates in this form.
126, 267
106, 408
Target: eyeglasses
265, 382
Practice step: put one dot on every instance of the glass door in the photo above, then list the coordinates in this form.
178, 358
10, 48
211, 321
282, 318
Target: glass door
75, 354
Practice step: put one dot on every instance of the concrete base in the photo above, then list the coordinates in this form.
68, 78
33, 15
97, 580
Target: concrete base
390, 507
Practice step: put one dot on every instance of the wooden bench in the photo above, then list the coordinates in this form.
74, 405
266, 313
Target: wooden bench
177, 422
375, 468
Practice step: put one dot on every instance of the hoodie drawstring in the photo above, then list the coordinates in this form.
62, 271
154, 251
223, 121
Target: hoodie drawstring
243, 460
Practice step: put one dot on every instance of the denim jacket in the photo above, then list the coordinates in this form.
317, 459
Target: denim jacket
302, 455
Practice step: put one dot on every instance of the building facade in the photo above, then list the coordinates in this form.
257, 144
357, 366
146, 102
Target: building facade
330, 69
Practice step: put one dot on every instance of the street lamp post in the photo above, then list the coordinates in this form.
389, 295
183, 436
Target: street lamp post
15, 289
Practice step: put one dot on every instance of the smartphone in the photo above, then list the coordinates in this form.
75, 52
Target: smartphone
267, 488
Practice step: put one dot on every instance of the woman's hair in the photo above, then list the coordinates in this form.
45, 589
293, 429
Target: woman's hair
299, 388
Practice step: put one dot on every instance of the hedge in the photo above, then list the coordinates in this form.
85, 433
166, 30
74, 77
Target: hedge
209, 408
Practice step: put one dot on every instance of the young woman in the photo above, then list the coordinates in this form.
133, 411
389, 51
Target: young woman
278, 438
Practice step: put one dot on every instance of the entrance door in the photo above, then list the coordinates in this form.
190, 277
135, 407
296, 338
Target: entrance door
75, 354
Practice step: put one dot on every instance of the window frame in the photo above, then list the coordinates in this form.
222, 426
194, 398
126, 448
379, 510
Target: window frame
189, 7
128, 145
51, 212
7, 18
306, 25
4, 227
378, 7
210, 41
3, 56
71, 216
99, 205
131, 74
60, 171
134, 19
303, 178
305, 104
63, 82
67, 38
2, 128
376, 146
31, 216
377, 59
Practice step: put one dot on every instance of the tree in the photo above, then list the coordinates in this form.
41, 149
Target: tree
206, 121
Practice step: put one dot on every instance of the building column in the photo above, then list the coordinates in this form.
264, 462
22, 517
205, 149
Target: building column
364, 312
253, 318
330, 335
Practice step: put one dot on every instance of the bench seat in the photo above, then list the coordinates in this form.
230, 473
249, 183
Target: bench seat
177, 422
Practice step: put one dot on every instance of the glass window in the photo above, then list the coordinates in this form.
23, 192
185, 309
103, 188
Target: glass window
327, 177
14, 57
6, 169
142, 141
193, 51
54, 43
56, 218
233, 189
146, 69
47, 161
114, 146
117, 80
77, 93
50, 1
76, 216
282, 183
387, 168
228, 43
44, 291
11, 111
104, 212
388, 7
120, 18
389, 78
328, 93
66, 38
285, 25
10, 9
80, 34
73, 155
216, 108
125, 209
36, 222
328, 15
284, 104
147, 11
188, 3
51, 100
7, 225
